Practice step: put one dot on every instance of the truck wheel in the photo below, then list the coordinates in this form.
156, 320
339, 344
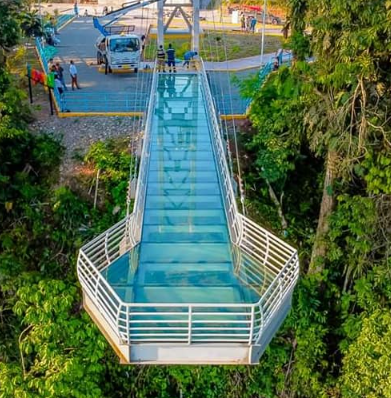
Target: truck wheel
135, 70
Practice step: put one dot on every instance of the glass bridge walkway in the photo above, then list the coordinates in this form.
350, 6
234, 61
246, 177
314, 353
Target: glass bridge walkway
186, 278
185, 251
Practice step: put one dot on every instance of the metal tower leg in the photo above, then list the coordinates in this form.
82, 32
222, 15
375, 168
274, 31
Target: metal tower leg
160, 23
196, 26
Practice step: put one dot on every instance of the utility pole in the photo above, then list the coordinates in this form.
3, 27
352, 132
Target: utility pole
263, 30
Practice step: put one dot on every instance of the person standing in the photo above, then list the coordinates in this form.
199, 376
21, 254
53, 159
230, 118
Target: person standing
60, 74
76, 9
248, 23
243, 22
142, 42
51, 64
161, 59
253, 23
171, 58
73, 73
58, 84
276, 64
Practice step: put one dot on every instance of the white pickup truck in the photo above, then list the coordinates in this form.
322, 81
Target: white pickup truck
119, 52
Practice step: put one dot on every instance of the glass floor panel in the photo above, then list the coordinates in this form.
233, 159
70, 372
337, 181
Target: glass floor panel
185, 254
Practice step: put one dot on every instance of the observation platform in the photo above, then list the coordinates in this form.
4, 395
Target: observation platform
186, 278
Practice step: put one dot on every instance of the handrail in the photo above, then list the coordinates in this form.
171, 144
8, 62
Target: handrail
224, 175
63, 20
41, 54
140, 195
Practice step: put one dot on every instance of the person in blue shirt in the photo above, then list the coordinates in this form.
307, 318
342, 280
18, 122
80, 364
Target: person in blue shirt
252, 24
170, 58
76, 9
189, 55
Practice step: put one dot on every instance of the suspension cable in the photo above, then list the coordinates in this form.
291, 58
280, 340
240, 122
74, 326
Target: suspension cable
135, 128
241, 185
220, 85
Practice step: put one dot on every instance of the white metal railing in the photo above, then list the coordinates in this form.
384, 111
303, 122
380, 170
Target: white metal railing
110, 245
263, 262
224, 175
144, 163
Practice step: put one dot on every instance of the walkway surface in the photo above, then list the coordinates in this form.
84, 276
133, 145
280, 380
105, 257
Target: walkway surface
184, 208
240, 64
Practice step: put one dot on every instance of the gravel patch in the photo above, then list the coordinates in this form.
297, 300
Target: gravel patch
77, 134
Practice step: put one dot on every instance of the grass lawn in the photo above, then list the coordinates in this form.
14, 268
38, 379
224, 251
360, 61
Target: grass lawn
212, 44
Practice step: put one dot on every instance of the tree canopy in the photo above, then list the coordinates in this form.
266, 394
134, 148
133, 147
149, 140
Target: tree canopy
317, 156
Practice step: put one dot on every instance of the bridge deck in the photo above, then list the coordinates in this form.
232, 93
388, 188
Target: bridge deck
185, 252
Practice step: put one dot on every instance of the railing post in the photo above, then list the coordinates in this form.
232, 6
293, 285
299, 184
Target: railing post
106, 249
281, 289
190, 311
250, 339
96, 290
127, 325
267, 248
117, 321
261, 326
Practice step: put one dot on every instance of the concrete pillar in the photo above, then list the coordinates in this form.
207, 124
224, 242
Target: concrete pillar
196, 26
160, 23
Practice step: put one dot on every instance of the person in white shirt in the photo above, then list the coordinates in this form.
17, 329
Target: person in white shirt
73, 73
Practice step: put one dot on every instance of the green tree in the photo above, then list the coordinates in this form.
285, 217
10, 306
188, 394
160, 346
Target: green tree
60, 349
367, 363
9, 25
30, 23
351, 79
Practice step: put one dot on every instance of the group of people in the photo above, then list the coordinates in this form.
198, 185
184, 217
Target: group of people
76, 11
170, 55
59, 80
248, 23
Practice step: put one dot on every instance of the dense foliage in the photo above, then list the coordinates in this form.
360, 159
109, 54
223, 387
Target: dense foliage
317, 170
318, 150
